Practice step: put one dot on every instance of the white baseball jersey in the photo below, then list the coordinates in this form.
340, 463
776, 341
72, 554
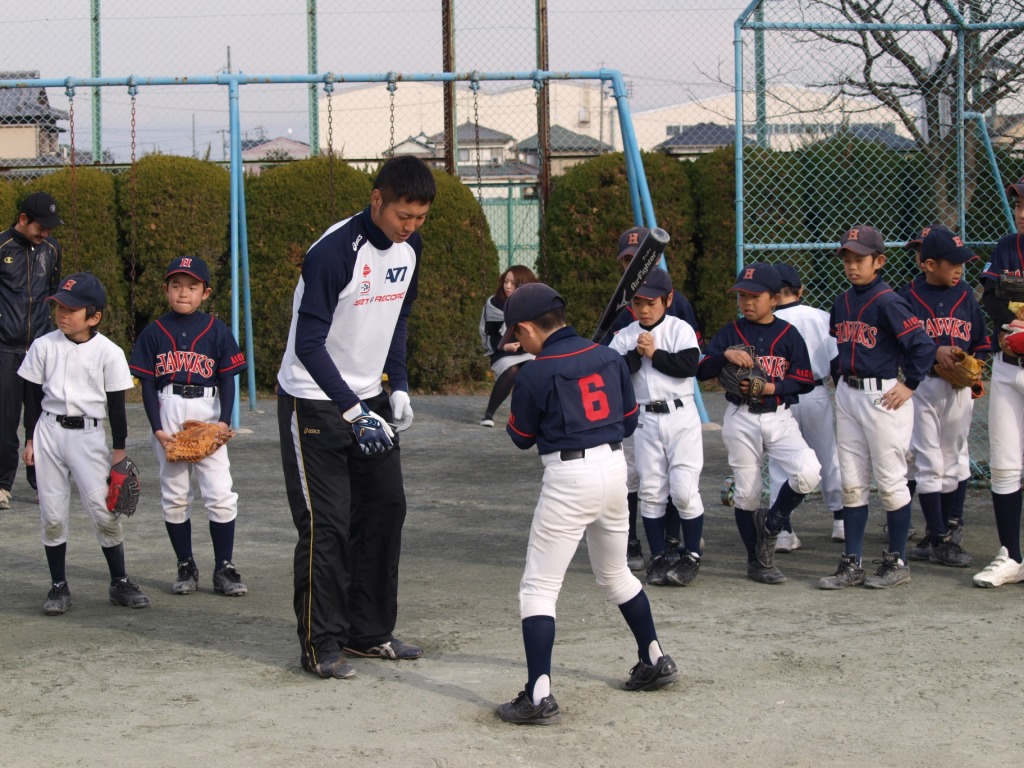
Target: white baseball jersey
814, 328
375, 285
76, 377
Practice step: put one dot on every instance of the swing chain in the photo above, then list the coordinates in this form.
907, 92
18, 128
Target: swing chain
134, 182
474, 85
391, 90
329, 89
70, 91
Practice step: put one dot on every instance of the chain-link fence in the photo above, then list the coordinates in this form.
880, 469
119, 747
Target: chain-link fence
896, 115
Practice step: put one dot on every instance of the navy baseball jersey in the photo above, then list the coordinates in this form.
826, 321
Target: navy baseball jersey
781, 353
186, 349
1007, 258
575, 395
951, 315
680, 307
875, 330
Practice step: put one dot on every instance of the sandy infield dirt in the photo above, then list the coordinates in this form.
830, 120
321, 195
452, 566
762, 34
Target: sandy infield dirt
921, 675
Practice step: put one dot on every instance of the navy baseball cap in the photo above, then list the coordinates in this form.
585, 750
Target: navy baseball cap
40, 207
189, 265
943, 244
629, 242
1015, 189
916, 242
862, 240
527, 302
788, 275
758, 278
82, 289
657, 284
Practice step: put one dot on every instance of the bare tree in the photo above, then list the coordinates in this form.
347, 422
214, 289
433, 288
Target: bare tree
914, 72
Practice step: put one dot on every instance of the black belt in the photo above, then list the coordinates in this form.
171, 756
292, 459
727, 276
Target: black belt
191, 391
573, 455
765, 407
662, 406
855, 382
1012, 360
819, 382
72, 422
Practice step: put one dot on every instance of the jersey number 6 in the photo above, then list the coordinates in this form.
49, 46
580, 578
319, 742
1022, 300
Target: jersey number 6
595, 402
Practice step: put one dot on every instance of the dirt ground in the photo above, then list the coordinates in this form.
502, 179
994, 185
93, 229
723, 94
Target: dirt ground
922, 675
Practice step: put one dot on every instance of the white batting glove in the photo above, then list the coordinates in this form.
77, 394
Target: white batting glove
401, 409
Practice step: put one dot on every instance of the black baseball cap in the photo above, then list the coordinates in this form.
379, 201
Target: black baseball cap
1015, 189
189, 265
657, 284
862, 240
788, 275
82, 289
943, 244
758, 278
629, 242
916, 242
527, 302
40, 207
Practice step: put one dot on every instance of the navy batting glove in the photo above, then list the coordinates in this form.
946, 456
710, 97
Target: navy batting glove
373, 434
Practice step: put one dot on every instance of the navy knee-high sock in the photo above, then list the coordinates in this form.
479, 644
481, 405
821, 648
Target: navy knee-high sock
180, 535
1007, 509
931, 507
56, 559
538, 641
637, 613
654, 527
898, 521
956, 510
115, 561
786, 501
855, 520
693, 529
632, 502
672, 523
745, 525
223, 535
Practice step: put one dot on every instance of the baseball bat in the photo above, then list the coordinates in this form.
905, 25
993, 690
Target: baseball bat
643, 262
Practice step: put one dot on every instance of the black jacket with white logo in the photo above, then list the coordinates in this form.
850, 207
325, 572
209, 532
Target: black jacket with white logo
28, 275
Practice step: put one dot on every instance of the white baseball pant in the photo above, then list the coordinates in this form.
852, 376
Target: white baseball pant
816, 418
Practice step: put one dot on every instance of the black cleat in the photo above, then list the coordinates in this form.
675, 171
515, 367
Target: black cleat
645, 677
764, 549
684, 571
332, 666
521, 711
764, 574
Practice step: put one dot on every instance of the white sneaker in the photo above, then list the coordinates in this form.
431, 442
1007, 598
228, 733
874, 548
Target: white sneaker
838, 531
787, 542
1002, 570
5, 498
486, 422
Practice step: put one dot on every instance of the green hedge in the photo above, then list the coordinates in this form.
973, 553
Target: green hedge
589, 207
181, 207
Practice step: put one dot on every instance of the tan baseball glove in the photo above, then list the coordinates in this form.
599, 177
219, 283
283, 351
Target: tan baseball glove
196, 440
967, 372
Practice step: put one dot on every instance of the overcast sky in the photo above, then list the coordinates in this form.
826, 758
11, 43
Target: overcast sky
669, 51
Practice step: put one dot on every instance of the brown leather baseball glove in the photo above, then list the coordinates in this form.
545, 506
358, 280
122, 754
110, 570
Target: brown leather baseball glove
967, 372
196, 440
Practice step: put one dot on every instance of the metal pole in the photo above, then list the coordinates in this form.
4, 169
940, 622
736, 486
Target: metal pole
543, 106
760, 82
236, 184
97, 99
961, 178
451, 139
509, 250
313, 67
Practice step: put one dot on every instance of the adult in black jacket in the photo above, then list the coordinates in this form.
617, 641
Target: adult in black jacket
29, 273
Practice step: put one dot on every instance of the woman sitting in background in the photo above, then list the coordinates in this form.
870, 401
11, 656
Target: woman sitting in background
507, 361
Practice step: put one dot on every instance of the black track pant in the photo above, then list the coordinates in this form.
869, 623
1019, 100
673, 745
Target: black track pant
348, 509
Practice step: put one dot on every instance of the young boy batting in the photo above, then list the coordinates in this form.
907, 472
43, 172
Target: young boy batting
576, 404
187, 361
877, 334
77, 378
